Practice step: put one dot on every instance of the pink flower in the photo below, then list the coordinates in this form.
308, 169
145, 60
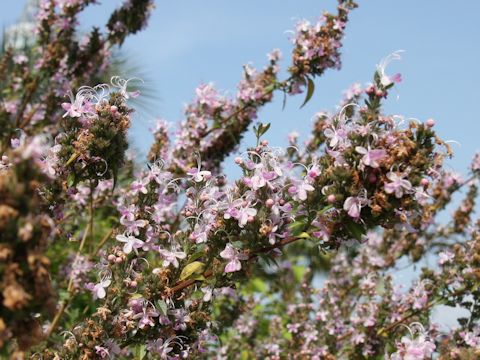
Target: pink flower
419, 348
131, 243
398, 185
122, 84
77, 106
420, 296
198, 176
132, 226
102, 352
299, 191
338, 137
353, 205
370, 157
476, 163
386, 80
471, 338
146, 317
140, 186
99, 289
445, 257
20, 59
244, 214
171, 257
208, 95
234, 257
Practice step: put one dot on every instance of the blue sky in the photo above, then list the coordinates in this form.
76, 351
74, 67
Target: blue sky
189, 42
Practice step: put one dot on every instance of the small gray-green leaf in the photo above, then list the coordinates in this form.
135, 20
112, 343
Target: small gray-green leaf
162, 306
310, 91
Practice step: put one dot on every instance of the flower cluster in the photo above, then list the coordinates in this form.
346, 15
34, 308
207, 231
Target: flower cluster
317, 45
214, 124
93, 142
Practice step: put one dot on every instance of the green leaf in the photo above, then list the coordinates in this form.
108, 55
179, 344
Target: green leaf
303, 235
72, 158
264, 128
325, 209
71, 179
310, 91
270, 88
355, 230
286, 335
162, 306
196, 256
299, 272
198, 278
259, 285
245, 355
237, 244
297, 227
194, 268
64, 295
140, 351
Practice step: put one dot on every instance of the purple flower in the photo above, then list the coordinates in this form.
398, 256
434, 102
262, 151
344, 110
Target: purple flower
233, 256
353, 205
98, 290
418, 348
198, 176
445, 257
300, 189
140, 186
122, 84
244, 214
338, 137
146, 317
78, 105
207, 95
132, 226
397, 185
181, 318
102, 352
207, 293
163, 348
370, 157
420, 296
386, 80
131, 243
170, 257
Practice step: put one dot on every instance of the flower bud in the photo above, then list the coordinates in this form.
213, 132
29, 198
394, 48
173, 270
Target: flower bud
313, 174
430, 123
331, 198
425, 182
